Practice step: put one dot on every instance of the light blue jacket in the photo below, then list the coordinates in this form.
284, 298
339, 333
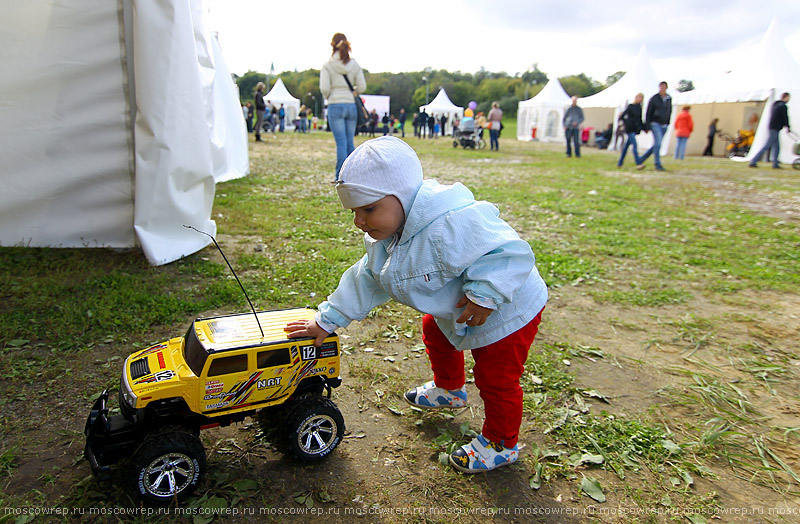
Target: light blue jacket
451, 245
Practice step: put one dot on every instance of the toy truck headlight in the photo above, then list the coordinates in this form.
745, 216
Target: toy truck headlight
127, 392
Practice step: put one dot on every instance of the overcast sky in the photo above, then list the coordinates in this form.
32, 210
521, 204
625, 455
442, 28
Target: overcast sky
686, 39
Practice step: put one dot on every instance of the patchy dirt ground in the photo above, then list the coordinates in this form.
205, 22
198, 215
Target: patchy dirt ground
386, 470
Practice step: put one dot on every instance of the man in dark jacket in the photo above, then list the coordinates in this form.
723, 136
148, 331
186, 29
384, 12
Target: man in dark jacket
632, 122
778, 119
423, 123
573, 118
659, 111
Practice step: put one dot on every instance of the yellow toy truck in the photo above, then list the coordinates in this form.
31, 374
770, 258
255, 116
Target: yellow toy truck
224, 369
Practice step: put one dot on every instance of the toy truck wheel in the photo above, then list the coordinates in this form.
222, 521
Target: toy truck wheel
314, 427
168, 465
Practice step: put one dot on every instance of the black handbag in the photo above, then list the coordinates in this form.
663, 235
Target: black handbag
361, 111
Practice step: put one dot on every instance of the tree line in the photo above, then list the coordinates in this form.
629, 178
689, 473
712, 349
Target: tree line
410, 90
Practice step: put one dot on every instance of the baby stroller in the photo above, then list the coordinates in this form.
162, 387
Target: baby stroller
468, 136
795, 150
740, 144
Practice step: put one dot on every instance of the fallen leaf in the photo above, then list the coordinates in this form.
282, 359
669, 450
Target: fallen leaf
592, 487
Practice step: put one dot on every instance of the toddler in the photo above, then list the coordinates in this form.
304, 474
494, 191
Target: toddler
436, 249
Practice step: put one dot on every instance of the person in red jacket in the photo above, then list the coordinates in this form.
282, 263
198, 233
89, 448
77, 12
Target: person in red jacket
683, 128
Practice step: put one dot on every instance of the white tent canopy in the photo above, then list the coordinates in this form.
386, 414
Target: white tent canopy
543, 114
606, 106
765, 71
117, 123
280, 95
641, 78
440, 105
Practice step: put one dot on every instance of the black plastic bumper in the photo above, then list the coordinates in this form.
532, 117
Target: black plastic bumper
108, 438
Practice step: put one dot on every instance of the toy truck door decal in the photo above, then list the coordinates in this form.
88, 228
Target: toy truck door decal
274, 366
228, 382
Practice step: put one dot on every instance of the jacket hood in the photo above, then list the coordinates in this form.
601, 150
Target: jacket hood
432, 201
339, 67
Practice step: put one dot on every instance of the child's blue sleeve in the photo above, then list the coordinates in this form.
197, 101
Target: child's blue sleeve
357, 294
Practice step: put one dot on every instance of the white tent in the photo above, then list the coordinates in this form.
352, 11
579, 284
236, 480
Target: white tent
280, 95
118, 120
765, 71
540, 117
606, 106
440, 105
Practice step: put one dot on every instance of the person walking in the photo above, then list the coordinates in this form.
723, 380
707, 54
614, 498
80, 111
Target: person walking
573, 118
423, 123
373, 123
334, 76
495, 121
683, 128
778, 119
249, 116
712, 132
301, 116
631, 119
258, 99
402, 121
659, 112
385, 123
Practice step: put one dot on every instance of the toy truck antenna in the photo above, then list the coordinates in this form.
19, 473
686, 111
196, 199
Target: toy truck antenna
234, 275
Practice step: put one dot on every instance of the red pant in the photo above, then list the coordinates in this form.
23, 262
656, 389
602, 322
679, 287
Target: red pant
498, 368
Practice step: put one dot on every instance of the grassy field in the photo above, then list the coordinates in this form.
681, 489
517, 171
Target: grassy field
662, 386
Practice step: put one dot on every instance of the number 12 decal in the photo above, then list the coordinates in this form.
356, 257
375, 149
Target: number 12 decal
308, 352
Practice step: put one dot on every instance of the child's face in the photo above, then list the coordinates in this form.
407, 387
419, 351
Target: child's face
381, 219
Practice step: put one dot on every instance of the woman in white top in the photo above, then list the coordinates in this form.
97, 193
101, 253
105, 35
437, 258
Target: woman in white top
342, 115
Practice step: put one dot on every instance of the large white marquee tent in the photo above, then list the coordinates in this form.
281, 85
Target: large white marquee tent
764, 72
541, 116
440, 105
118, 120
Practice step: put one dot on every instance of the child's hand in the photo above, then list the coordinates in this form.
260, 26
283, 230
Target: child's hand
306, 328
473, 314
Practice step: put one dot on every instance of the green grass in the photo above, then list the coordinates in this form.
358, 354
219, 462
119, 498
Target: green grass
73, 297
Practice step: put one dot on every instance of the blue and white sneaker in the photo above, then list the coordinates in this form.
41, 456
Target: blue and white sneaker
482, 455
428, 396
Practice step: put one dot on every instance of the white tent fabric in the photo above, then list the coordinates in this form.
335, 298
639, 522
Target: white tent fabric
280, 95
641, 78
440, 105
77, 170
544, 113
766, 71
65, 157
228, 140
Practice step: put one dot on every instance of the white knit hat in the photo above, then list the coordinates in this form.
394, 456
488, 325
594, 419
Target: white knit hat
377, 168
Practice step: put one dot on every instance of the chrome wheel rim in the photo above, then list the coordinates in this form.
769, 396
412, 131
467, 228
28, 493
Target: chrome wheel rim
169, 474
317, 434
